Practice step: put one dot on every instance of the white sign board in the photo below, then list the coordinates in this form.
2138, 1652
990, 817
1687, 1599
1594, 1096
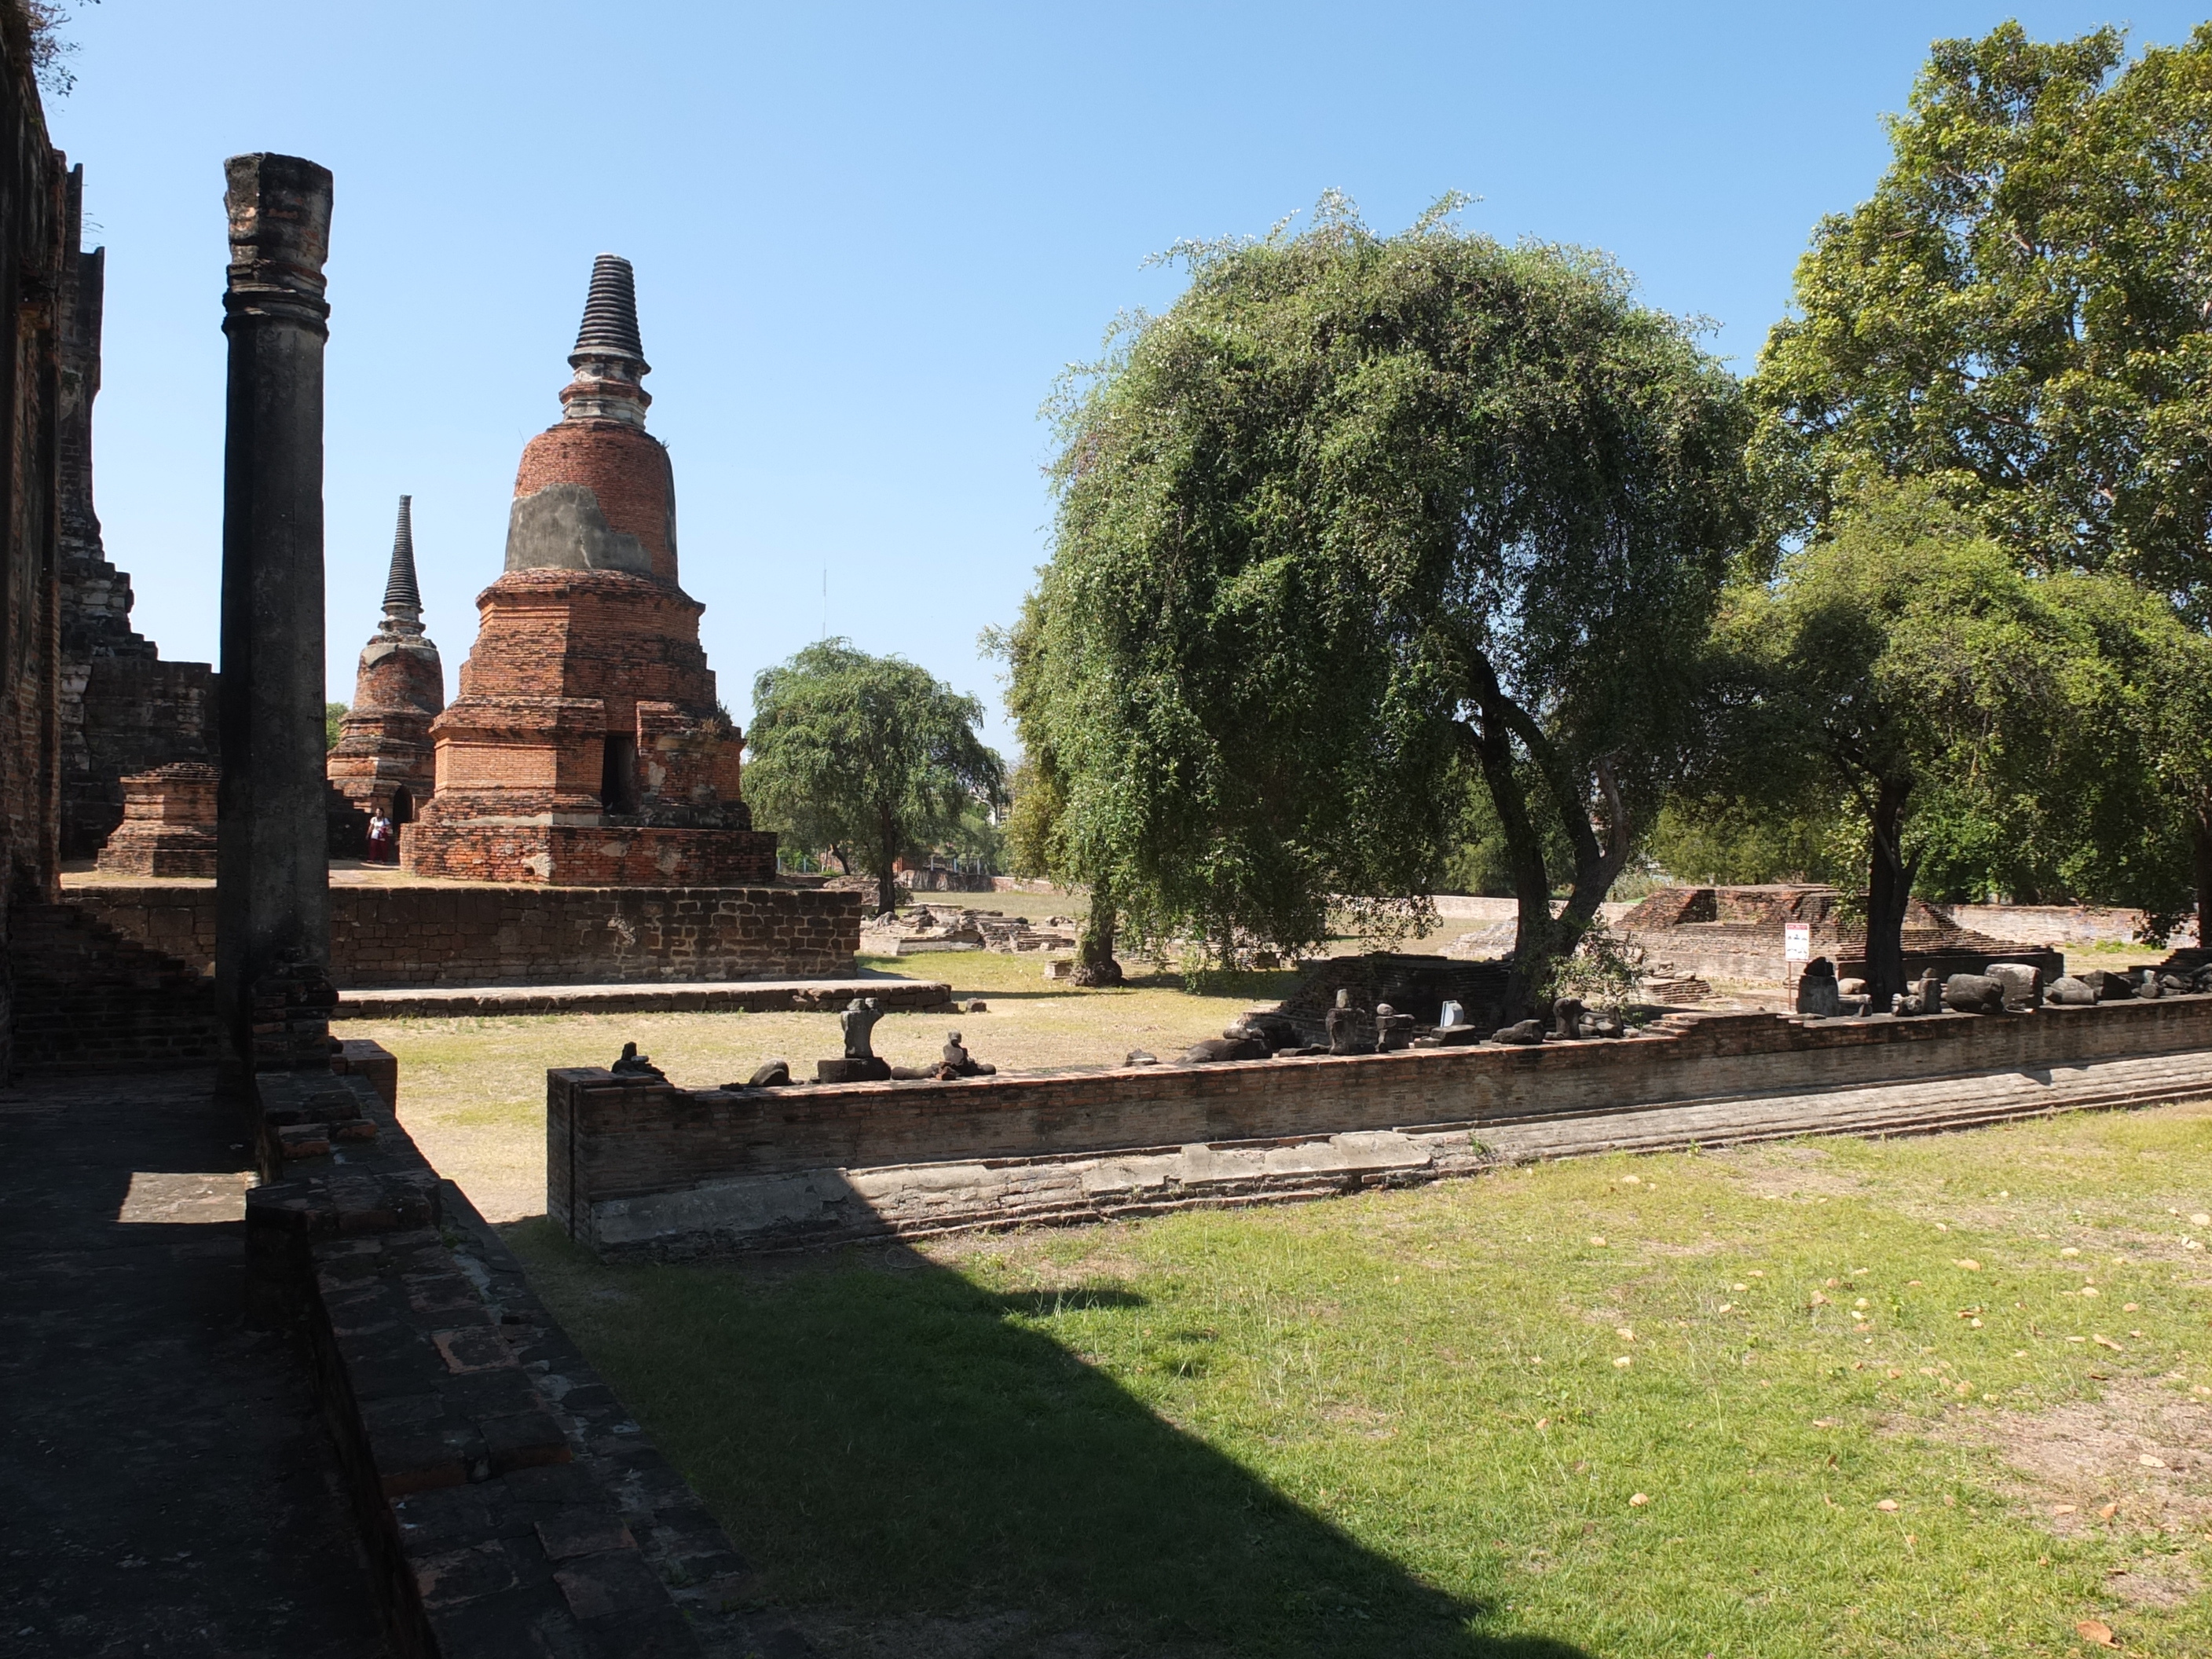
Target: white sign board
1797, 941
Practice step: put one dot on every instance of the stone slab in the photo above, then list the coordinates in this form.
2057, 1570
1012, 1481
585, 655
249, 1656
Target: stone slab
168, 1483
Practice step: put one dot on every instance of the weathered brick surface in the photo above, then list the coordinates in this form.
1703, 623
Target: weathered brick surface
168, 826
515, 935
585, 745
33, 268
507, 1499
624, 467
746, 1168
88, 999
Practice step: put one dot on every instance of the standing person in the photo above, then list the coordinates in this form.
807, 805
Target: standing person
380, 840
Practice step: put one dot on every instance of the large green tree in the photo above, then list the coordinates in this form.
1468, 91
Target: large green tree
1902, 694
1901, 674
870, 756
2020, 317
1358, 518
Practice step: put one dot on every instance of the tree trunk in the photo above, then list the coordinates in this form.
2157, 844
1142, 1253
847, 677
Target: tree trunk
1533, 948
1094, 947
1889, 885
2201, 851
1596, 868
889, 846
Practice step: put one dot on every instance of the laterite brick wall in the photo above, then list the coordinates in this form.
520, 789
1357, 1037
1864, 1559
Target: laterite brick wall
637, 1167
515, 935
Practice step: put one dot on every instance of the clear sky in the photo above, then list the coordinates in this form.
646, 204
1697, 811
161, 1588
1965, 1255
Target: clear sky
867, 239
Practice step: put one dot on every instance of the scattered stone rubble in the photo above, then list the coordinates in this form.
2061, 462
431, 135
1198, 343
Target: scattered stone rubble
1739, 933
951, 927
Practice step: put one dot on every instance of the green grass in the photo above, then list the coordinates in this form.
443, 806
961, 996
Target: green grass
1396, 1424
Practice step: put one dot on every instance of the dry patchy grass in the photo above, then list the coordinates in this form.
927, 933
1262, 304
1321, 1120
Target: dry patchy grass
473, 1090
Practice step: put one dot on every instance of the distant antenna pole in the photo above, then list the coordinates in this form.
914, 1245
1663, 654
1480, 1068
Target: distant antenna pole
825, 601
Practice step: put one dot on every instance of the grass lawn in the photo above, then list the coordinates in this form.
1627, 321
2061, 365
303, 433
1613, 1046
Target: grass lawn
1941, 1396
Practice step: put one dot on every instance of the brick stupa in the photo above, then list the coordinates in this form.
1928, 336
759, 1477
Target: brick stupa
586, 747
385, 760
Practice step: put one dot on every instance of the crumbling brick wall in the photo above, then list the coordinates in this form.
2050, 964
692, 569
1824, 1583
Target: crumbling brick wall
31, 246
122, 710
515, 935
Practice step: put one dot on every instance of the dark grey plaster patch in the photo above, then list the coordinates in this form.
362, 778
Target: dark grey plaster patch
561, 527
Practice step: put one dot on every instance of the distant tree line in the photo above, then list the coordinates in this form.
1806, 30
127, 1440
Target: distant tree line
1378, 557
870, 761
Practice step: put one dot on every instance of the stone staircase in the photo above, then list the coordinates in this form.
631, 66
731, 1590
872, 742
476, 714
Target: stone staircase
86, 999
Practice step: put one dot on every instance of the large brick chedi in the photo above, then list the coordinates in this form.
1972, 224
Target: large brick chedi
385, 760
586, 747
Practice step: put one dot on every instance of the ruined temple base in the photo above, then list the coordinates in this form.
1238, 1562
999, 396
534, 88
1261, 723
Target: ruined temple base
168, 823
159, 849
588, 855
475, 935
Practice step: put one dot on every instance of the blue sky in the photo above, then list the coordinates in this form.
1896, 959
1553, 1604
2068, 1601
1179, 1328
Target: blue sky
867, 239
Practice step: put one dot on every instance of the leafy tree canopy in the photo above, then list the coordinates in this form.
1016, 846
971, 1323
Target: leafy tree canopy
870, 758
1972, 725
2021, 315
1357, 518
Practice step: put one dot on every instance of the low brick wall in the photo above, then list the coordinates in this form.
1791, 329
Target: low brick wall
396, 937
644, 1169
507, 1500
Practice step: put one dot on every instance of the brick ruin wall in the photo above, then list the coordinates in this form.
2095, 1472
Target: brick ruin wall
31, 274
587, 855
121, 708
638, 1169
511, 935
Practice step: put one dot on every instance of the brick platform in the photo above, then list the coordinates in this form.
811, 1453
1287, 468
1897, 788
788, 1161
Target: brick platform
762, 996
168, 822
490, 848
487, 935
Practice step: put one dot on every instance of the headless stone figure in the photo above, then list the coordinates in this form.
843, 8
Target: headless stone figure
633, 1063
857, 1022
1347, 1028
957, 1061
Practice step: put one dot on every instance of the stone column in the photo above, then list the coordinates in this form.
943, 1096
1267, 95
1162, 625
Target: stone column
274, 898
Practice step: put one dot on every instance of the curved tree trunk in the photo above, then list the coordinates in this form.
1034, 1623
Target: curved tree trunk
1889, 886
1596, 868
1533, 948
1542, 939
1094, 947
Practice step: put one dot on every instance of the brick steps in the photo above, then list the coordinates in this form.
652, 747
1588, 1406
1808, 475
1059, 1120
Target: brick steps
86, 999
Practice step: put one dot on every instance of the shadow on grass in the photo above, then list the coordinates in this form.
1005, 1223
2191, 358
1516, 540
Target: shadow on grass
886, 1439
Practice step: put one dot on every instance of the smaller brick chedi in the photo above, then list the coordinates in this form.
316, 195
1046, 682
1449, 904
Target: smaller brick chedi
586, 747
384, 760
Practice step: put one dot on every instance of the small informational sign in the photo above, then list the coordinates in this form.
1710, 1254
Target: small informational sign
1797, 941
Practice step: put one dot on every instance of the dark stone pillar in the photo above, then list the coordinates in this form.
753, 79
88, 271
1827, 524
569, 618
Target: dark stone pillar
273, 903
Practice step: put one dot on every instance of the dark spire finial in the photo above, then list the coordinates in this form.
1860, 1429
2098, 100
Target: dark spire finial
609, 358
403, 600
610, 328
